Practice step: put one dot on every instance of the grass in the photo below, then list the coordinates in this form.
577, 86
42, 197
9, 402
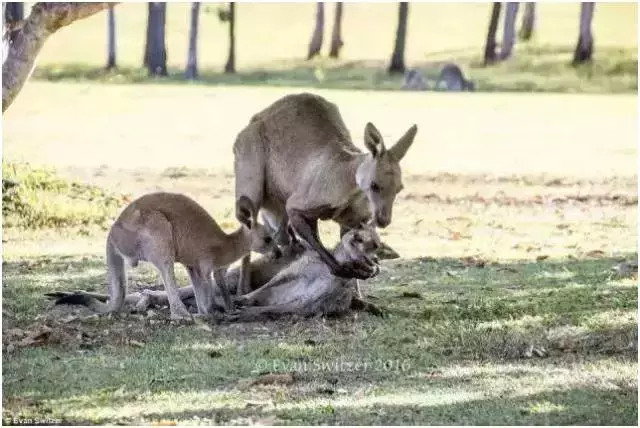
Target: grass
437, 33
40, 199
504, 308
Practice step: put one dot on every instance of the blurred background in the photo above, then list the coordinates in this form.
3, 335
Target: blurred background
350, 45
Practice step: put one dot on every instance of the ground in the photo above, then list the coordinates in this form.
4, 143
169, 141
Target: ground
514, 300
505, 307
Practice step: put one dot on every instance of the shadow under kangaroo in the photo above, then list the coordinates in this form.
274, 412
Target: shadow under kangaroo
296, 282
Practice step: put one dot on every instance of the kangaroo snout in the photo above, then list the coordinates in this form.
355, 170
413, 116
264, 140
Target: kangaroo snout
382, 220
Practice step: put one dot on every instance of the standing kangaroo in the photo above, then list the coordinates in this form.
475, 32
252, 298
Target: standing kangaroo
453, 77
296, 160
165, 228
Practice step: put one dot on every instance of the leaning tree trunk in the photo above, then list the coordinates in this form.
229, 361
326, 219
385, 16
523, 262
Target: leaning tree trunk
509, 31
397, 58
316, 39
111, 39
584, 48
230, 66
13, 16
336, 35
45, 19
191, 72
157, 55
528, 21
490, 47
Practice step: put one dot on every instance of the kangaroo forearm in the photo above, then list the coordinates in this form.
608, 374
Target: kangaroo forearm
307, 229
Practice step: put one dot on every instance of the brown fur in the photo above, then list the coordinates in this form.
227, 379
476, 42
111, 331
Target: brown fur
296, 161
307, 287
168, 228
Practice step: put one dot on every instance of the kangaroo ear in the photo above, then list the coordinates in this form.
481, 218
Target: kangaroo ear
400, 148
245, 211
373, 140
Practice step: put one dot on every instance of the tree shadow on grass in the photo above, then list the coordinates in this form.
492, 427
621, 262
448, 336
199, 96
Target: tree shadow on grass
462, 314
532, 69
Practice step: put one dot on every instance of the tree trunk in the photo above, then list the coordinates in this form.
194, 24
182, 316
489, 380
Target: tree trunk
397, 58
528, 21
584, 48
44, 20
191, 72
316, 39
111, 36
13, 16
230, 66
336, 35
490, 47
157, 55
145, 56
509, 31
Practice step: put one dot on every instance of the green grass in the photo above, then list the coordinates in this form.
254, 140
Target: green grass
39, 198
456, 356
437, 33
541, 188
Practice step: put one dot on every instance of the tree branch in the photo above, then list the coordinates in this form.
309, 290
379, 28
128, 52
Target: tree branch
45, 19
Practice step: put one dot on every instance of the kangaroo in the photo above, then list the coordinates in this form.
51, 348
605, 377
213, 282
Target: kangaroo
165, 228
307, 287
454, 79
414, 80
263, 270
296, 161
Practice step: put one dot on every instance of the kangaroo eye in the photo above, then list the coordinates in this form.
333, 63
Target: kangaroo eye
357, 238
268, 240
375, 187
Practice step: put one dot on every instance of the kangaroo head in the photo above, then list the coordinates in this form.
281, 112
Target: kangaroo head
361, 241
379, 176
261, 236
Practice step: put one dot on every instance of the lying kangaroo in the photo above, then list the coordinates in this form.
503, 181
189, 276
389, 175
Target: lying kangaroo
304, 271
296, 161
454, 79
165, 228
307, 286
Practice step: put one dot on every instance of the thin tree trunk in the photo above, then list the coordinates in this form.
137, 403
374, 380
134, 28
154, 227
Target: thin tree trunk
584, 48
111, 55
318, 32
490, 47
336, 35
44, 20
147, 40
509, 31
528, 21
397, 58
230, 66
157, 58
13, 16
191, 72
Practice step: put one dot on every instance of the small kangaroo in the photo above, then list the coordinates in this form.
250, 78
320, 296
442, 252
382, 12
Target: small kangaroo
165, 228
307, 286
325, 176
414, 80
454, 79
